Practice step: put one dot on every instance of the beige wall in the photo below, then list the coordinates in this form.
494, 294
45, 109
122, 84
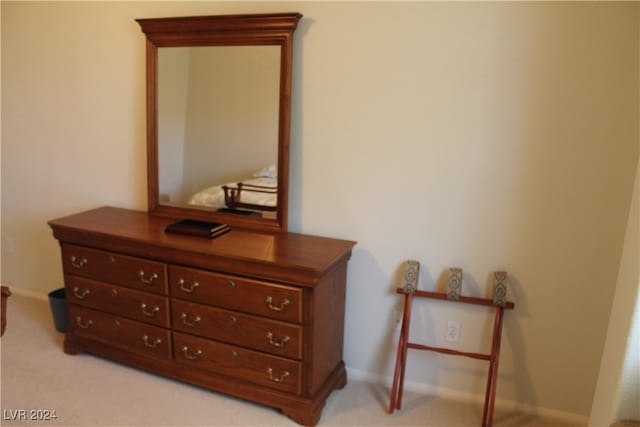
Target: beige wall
618, 389
480, 135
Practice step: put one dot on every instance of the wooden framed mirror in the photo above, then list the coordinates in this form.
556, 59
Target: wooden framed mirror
218, 117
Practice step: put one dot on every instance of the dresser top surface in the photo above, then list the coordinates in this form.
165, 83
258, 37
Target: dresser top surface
110, 226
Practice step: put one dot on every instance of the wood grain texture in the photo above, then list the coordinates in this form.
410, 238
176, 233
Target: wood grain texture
253, 314
283, 257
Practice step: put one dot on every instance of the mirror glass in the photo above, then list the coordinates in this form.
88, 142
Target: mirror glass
218, 126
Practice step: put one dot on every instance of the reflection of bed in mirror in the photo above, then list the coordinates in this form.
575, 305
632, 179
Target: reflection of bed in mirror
218, 131
257, 194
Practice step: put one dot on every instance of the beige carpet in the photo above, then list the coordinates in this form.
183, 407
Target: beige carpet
88, 391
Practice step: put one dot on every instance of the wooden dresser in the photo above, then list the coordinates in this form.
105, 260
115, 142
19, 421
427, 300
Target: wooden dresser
259, 316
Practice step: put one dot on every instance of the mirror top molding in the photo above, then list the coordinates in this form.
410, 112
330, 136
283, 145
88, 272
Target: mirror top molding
227, 30
270, 29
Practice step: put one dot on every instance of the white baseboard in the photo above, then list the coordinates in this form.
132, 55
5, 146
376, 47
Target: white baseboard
467, 397
28, 293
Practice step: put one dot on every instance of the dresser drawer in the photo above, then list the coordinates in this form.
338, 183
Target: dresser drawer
284, 339
250, 296
143, 306
115, 268
119, 331
237, 362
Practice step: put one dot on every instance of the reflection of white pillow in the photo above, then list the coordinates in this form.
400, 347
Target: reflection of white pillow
269, 172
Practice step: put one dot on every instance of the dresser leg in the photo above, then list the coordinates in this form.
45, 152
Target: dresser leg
308, 413
305, 418
71, 348
342, 380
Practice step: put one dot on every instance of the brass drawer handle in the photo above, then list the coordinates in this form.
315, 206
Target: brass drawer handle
282, 342
189, 289
280, 379
231, 284
149, 313
78, 264
232, 320
145, 280
80, 294
189, 322
193, 355
285, 303
153, 344
83, 325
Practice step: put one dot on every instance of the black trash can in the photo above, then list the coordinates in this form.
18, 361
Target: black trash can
58, 305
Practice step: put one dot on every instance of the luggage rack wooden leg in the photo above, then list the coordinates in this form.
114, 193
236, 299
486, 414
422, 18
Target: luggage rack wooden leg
401, 358
404, 345
492, 377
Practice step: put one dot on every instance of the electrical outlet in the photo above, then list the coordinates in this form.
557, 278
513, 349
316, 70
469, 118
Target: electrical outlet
453, 331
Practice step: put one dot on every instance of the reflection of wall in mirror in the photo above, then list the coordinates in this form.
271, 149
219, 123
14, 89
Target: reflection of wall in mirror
227, 105
172, 105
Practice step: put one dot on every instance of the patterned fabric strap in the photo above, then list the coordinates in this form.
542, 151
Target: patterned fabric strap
410, 277
500, 288
454, 284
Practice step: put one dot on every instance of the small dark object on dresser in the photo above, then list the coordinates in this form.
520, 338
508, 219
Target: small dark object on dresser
194, 227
